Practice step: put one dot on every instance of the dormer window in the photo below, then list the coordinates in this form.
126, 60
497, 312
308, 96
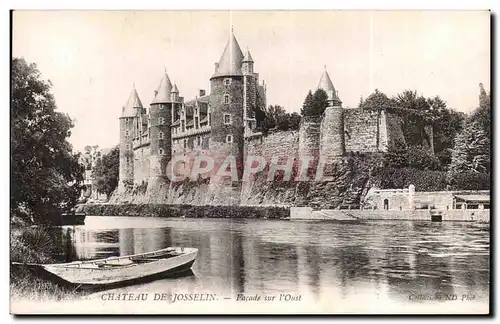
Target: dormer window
160, 135
161, 121
226, 98
229, 138
227, 119
227, 81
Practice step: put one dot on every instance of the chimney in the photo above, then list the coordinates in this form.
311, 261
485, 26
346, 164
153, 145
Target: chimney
202, 92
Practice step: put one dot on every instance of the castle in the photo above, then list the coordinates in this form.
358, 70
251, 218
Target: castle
223, 121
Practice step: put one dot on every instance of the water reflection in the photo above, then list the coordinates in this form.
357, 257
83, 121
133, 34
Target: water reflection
388, 260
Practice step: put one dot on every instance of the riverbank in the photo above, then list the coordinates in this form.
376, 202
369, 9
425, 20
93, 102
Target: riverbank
31, 244
188, 211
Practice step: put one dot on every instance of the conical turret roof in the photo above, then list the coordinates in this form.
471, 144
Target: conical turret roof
132, 103
163, 91
248, 57
326, 84
175, 90
230, 61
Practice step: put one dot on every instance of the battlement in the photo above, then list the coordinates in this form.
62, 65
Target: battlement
138, 142
193, 132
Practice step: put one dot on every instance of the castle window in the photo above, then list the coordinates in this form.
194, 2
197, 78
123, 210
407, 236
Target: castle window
126, 134
160, 107
227, 81
160, 151
196, 122
199, 140
185, 143
160, 135
226, 98
161, 121
227, 119
229, 138
209, 119
128, 159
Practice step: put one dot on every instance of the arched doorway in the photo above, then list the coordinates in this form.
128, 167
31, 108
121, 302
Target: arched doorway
386, 204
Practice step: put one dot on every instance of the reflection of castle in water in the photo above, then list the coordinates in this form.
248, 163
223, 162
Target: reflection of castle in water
114, 242
251, 259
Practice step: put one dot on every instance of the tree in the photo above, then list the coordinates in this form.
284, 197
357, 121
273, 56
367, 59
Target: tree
472, 150
277, 117
376, 101
483, 113
45, 174
447, 123
295, 119
315, 104
307, 106
106, 172
320, 102
90, 156
415, 111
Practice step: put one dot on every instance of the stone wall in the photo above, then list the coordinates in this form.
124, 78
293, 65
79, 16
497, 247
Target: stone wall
141, 164
361, 130
309, 136
278, 143
307, 213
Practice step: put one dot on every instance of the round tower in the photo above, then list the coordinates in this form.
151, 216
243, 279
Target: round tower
332, 142
249, 92
160, 136
128, 130
227, 104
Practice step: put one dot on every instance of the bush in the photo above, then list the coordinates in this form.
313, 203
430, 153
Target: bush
423, 180
470, 181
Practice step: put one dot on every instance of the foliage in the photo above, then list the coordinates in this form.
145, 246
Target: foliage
45, 174
90, 156
470, 181
277, 117
315, 104
376, 101
471, 153
423, 180
106, 172
307, 105
417, 157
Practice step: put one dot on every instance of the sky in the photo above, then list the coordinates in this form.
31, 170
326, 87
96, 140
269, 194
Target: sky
94, 58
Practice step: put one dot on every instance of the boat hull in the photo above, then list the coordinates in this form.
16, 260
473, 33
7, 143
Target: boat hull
92, 277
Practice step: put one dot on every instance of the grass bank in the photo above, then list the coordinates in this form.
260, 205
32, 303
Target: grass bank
31, 244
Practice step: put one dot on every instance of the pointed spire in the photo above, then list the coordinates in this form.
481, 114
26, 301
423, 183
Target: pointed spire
175, 90
164, 90
248, 56
133, 102
230, 61
326, 84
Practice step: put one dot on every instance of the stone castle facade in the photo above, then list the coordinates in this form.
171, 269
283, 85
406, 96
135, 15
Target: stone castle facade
223, 121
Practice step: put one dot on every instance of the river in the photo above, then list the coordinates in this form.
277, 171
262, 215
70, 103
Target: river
367, 267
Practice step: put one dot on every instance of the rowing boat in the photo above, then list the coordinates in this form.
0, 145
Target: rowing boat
115, 270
